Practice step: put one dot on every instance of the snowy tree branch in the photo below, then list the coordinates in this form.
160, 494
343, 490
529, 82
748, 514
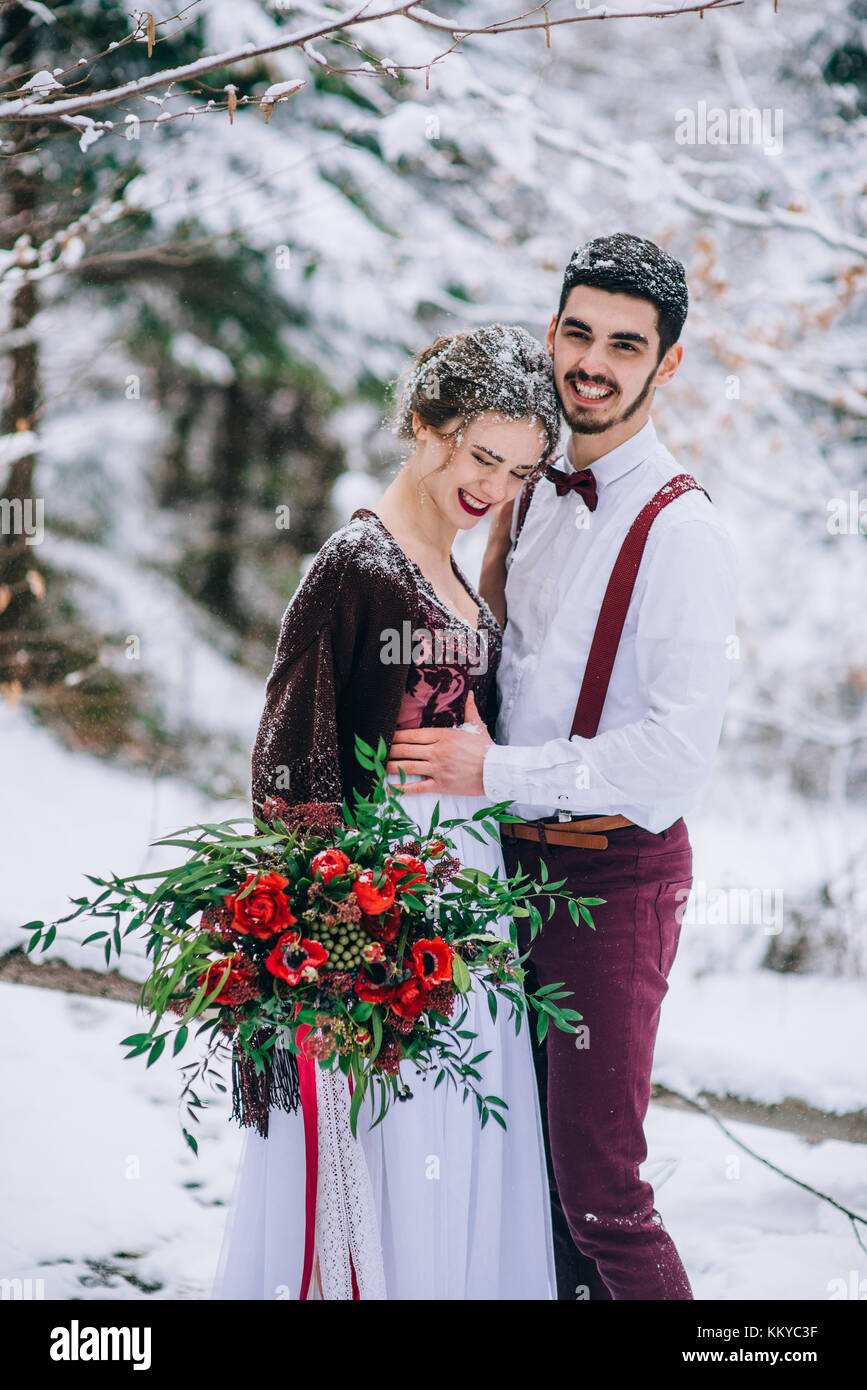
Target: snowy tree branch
35, 105
855, 1219
516, 25
807, 724
26, 108
837, 395
61, 251
683, 193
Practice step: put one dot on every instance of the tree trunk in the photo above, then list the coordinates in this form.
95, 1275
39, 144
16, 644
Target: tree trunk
22, 402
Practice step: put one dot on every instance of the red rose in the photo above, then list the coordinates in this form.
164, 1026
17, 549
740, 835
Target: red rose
385, 928
294, 958
239, 983
265, 911
435, 849
410, 999
405, 870
329, 864
433, 961
374, 891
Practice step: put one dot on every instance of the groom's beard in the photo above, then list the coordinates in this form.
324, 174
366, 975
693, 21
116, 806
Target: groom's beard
584, 422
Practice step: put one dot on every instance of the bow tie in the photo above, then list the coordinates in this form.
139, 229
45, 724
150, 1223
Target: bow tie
582, 481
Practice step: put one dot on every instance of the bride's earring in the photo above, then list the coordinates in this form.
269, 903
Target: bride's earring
418, 492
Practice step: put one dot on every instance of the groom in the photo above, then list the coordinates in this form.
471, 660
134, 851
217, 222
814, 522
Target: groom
618, 583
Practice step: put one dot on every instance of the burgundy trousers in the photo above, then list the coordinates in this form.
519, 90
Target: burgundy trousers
609, 1240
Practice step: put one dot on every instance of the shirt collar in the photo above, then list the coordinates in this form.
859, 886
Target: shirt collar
621, 460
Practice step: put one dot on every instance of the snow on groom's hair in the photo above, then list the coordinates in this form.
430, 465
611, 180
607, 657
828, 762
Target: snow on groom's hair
501, 367
626, 264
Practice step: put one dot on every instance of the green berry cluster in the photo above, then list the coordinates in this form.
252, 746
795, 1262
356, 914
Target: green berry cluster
344, 943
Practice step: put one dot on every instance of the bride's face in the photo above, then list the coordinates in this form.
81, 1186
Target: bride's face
469, 468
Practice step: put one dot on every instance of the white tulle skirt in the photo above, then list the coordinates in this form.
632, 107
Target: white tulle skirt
443, 1208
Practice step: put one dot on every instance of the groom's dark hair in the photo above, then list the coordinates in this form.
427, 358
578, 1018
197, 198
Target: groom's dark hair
626, 264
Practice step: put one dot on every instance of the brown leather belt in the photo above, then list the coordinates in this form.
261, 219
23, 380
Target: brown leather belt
577, 834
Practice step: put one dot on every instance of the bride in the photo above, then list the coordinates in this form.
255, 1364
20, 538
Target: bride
384, 633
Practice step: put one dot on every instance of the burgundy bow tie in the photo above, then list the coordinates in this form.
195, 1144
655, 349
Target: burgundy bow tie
582, 481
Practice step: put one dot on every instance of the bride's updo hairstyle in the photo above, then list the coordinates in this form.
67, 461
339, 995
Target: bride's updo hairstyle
501, 368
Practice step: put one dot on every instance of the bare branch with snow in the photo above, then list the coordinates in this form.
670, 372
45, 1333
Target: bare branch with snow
20, 108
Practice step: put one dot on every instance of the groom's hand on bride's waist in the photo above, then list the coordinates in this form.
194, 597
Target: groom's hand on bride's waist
449, 760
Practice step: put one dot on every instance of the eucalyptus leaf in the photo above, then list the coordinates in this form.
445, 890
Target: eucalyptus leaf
460, 975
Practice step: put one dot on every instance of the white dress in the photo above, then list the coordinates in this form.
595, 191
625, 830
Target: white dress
443, 1209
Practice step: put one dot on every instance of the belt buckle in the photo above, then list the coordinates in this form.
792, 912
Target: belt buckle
564, 815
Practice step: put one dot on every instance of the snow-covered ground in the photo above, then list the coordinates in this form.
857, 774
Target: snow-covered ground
97, 1175
765, 1037
65, 814
101, 1198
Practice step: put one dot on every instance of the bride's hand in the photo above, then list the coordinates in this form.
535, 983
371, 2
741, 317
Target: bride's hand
450, 760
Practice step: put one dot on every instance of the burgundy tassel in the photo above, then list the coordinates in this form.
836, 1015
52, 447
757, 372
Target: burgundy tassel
255, 1094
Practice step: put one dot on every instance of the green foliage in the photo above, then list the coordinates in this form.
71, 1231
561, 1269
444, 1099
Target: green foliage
164, 905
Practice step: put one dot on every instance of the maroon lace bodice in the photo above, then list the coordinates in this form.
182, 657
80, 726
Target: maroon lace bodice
449, 658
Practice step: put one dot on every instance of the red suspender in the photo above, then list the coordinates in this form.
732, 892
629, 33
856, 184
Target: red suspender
526, 494
615, 605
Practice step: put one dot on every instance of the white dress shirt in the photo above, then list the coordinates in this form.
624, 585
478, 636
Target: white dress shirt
664, 709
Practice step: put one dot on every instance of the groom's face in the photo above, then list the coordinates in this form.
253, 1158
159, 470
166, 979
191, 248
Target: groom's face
605, 349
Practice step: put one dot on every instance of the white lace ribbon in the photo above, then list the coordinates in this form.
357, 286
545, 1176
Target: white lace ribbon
346, 1221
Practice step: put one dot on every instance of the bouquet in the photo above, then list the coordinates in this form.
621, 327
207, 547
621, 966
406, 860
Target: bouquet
348, 942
